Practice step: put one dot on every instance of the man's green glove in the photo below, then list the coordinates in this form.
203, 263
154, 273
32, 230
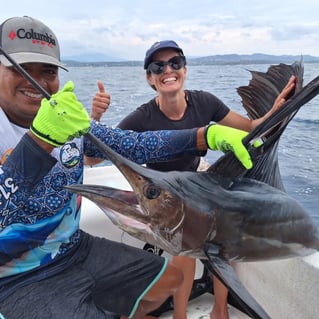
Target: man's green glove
224, 138
61, 118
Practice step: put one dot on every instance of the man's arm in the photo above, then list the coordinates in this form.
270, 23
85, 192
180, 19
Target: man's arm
154, 146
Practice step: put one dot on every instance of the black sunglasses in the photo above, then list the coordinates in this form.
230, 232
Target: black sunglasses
175, 63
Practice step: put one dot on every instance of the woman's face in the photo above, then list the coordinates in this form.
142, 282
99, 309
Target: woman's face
170, 80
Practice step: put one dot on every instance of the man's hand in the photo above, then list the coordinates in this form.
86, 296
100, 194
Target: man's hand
224, 138
101, 102
61, 118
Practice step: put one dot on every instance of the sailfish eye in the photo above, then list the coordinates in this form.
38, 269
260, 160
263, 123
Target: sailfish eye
152, 191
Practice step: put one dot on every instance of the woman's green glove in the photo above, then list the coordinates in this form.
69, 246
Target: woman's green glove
61, 118
224, 138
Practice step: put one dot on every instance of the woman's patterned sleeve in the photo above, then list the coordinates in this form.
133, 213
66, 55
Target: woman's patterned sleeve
142, 147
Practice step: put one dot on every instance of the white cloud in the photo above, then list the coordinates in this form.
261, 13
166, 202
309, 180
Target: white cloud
126, 28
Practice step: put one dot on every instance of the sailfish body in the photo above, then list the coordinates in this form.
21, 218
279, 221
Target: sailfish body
245, 219
226, 213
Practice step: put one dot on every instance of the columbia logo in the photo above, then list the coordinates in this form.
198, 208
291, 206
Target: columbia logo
12, 35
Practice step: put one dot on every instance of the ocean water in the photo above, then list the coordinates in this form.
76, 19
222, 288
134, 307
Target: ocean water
298, 148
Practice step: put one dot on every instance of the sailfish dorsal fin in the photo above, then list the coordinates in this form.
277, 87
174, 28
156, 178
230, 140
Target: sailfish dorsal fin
257, 99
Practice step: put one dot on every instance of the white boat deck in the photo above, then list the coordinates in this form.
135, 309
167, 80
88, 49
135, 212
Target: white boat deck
200, 308
285, 289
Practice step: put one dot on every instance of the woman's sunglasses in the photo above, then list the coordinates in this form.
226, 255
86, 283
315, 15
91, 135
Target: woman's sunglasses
175, 63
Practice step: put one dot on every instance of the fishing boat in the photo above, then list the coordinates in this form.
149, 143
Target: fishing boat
286, 288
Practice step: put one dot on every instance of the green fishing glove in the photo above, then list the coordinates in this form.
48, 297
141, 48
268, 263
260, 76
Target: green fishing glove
61, 118
224, 138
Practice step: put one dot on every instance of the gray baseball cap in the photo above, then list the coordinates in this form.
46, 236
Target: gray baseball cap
28, 40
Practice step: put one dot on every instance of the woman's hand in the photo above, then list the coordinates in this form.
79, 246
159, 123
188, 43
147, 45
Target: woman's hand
284, 95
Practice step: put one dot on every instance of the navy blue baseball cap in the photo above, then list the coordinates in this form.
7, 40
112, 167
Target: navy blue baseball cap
159, 45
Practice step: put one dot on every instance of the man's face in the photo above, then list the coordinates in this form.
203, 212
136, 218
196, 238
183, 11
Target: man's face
18, 97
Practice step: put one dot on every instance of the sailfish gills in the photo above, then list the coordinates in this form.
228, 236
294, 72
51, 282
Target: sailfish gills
227, 213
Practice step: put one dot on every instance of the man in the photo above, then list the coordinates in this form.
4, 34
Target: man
49, 268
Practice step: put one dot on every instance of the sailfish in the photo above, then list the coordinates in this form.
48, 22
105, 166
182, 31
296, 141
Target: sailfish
226, 213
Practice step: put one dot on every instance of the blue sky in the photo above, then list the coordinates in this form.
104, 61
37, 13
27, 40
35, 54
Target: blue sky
126, 28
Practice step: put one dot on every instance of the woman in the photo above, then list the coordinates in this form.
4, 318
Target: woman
177, 108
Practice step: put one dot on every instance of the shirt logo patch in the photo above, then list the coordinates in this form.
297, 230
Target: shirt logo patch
69, 155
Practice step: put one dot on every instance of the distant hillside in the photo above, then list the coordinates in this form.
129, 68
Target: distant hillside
252, 59
256, 58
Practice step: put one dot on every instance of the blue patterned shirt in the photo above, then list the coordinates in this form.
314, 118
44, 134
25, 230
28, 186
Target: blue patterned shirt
39, 219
